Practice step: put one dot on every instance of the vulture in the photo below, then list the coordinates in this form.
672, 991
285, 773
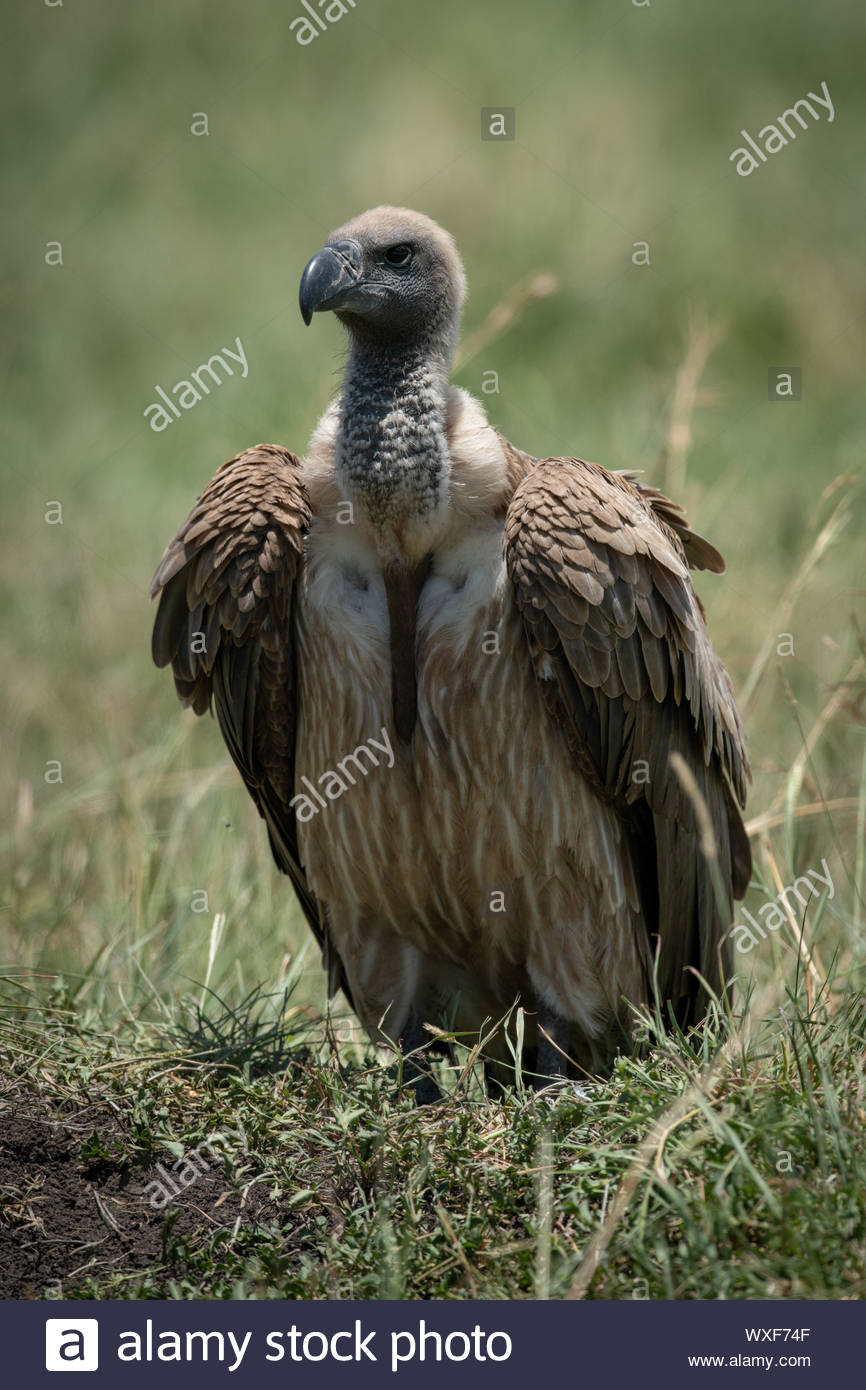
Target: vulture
470, 691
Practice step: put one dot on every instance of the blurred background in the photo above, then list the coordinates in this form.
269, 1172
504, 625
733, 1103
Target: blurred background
169, 169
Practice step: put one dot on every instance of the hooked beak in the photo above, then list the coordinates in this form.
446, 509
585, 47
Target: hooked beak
331, 279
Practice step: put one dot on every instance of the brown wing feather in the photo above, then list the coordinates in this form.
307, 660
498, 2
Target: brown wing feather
224, 623
618, 638
699, 553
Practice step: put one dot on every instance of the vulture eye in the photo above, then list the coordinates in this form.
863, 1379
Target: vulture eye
399, 255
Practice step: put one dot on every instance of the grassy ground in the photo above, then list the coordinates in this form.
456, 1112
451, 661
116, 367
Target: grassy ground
146, 941
703, 1172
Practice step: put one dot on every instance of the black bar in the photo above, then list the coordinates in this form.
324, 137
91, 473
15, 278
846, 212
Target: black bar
550, 1346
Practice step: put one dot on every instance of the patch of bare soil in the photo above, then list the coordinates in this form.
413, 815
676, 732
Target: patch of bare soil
66, 1218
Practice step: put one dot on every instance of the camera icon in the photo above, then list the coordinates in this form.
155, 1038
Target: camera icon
71, 1344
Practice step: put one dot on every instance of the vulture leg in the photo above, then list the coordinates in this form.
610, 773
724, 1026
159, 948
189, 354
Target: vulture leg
551, 1059
416, 1076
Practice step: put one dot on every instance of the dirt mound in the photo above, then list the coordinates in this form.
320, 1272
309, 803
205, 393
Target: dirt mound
70, 1213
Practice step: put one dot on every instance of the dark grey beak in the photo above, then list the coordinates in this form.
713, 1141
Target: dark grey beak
330, 277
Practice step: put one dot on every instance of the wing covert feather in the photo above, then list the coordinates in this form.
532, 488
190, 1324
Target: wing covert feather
226, 588
599, 568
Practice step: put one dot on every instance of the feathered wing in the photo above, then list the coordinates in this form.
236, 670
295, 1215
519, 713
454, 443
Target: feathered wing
226, 587
599, 567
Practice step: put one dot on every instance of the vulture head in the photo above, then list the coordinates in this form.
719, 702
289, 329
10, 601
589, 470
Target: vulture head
392, 276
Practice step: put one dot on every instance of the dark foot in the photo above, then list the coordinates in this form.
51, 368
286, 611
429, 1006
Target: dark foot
416, 1076
551, 1061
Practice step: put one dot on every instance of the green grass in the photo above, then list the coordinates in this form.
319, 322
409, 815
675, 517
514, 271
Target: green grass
751, 1189
138, 1012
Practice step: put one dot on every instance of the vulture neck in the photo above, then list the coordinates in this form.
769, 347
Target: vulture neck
392, 454
392, 461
